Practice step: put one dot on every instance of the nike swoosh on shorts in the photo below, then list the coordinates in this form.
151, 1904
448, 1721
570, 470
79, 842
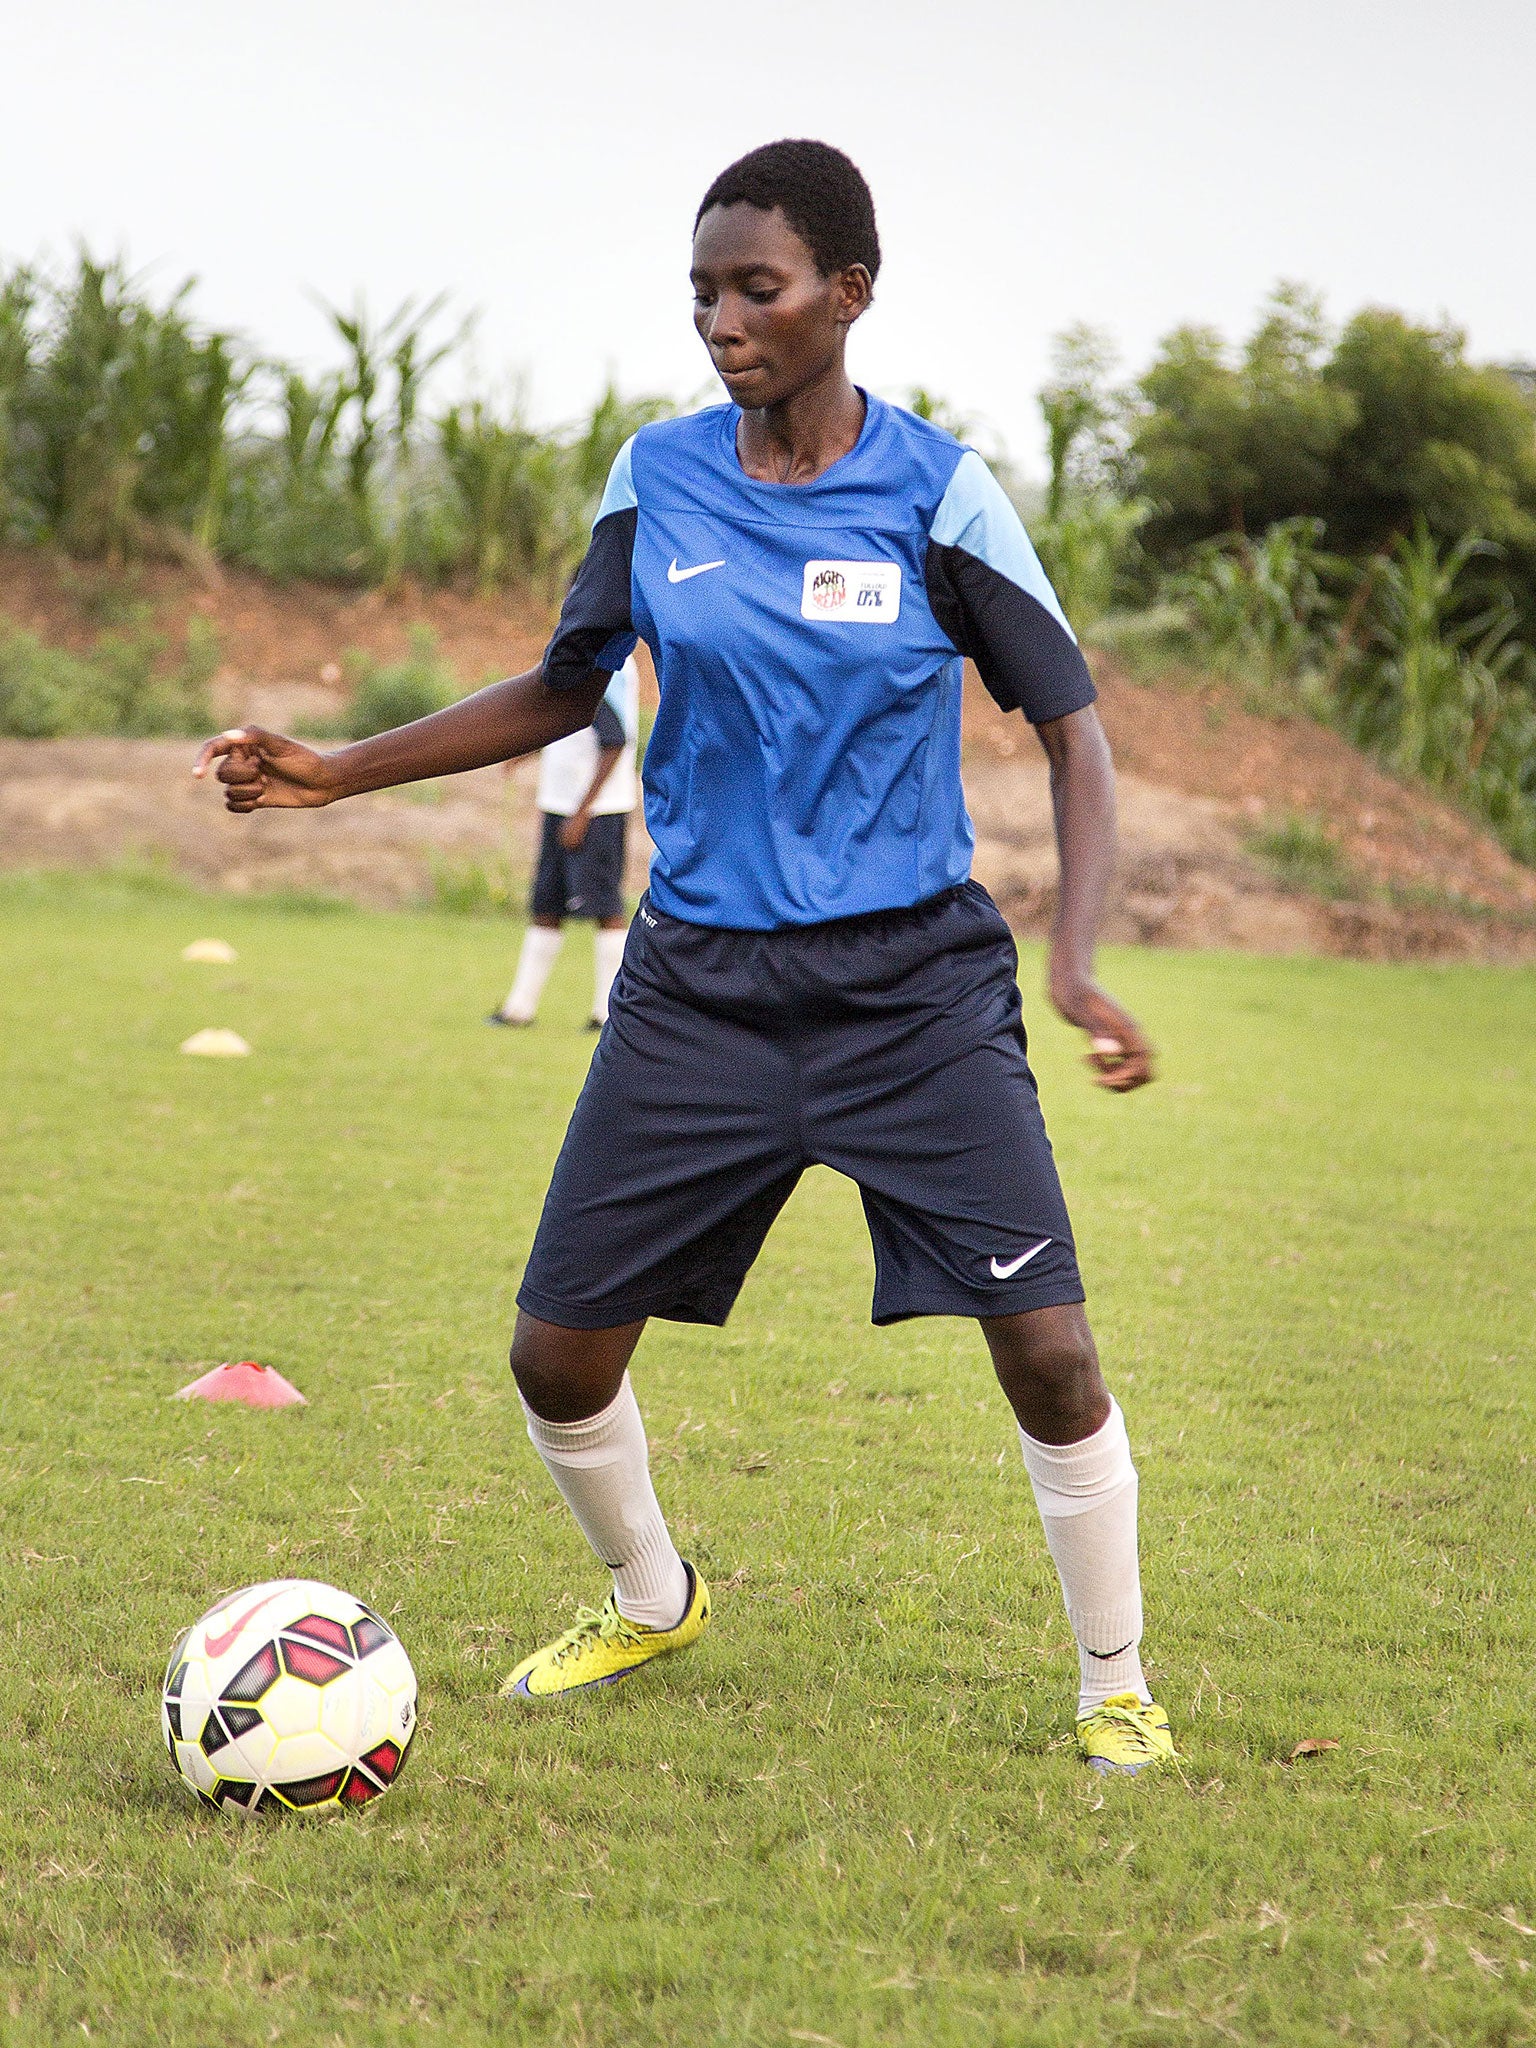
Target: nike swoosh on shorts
1007, 1272
676, 575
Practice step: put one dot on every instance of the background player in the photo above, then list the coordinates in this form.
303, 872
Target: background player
586, 793
811, 976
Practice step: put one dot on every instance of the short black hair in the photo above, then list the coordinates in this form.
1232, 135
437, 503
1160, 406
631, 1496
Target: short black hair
819, 191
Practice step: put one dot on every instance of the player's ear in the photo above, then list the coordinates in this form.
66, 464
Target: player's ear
853, 288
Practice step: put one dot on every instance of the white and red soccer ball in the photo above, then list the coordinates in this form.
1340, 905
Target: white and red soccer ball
290, 1695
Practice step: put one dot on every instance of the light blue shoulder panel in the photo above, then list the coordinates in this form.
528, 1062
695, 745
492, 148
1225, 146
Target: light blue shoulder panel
976, 514
623, 698
619, 492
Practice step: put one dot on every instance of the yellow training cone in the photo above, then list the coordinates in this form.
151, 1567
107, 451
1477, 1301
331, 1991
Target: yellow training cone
216, 1044
217, 952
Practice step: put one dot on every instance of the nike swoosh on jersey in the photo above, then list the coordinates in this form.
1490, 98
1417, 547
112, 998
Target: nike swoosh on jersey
217, 1645
676, 575
1007, 1272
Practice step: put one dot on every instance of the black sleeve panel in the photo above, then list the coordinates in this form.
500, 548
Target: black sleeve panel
608, 726
595, 629
1026, 660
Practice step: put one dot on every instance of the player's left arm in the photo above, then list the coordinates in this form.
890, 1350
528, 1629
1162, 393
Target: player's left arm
992, 598
1083, 800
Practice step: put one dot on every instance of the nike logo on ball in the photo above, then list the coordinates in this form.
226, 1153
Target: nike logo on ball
217, 1645
1007, 1272
676, 575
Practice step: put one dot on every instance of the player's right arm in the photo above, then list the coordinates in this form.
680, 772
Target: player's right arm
265, 770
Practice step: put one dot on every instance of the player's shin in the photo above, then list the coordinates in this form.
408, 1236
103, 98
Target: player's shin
1086, 1494
602, 1467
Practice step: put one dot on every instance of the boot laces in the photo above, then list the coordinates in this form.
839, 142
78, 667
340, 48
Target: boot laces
605, 1626
1129, 1718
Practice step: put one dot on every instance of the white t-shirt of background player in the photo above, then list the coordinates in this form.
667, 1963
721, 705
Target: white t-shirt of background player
566, 767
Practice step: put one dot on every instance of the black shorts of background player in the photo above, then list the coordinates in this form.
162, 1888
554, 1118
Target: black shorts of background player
579, 867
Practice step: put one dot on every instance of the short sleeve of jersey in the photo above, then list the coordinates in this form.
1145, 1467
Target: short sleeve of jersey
596, 630
988, 592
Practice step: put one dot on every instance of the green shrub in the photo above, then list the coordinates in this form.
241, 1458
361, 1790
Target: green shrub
45, 692
148, 700
117, 689
1302, 852
1503, 780
518, 511
290, 514
475, 888
387, 695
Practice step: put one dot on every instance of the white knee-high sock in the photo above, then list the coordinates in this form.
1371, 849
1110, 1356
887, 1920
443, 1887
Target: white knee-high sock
1086, 1494
541, 947
603, 1469
609, 953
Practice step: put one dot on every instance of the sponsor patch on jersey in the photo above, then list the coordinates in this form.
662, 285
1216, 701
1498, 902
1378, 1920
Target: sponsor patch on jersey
852, 593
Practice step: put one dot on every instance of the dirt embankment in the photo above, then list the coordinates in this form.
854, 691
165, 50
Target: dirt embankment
1197, 775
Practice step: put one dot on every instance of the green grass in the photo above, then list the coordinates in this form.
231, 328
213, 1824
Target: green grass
852, 1814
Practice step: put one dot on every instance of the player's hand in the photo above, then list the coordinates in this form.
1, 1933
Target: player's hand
573, 831
1121, 1056
264, 771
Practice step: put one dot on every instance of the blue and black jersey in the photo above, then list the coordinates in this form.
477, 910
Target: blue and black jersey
805, 760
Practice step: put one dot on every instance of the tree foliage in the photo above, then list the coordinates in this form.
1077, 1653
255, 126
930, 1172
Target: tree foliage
1370, 431
1343, 522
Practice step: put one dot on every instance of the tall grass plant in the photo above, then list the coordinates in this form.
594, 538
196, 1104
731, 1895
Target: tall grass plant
1086, 548
127, 431
1260, 612
118, 413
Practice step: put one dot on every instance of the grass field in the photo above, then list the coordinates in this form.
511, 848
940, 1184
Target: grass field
852, 1815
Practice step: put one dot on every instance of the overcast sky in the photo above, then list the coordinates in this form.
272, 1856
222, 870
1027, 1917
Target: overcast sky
1033, 165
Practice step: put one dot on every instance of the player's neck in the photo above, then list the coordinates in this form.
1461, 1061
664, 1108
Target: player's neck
794, 441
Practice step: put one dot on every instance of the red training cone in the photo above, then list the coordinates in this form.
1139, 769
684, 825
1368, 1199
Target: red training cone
258, 1386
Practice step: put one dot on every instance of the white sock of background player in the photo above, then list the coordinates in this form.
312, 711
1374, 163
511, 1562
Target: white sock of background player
609, 952
1086, 1493
602, 1467
541, 947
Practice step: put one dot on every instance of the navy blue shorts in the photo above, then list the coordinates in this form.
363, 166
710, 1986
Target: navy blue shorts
889, 1047
586, 883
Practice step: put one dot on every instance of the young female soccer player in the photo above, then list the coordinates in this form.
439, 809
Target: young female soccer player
811, 975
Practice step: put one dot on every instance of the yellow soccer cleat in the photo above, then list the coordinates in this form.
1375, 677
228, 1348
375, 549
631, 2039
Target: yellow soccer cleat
601, 1648
1125, 1735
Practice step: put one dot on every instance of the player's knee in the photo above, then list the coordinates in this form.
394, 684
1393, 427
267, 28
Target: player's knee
535, 1368
568, 1375
1048, 1364
1065, 1372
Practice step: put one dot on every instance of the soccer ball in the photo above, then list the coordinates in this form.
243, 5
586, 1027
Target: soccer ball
288, 1695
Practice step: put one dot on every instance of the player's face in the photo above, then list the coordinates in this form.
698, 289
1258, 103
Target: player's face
770, 320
